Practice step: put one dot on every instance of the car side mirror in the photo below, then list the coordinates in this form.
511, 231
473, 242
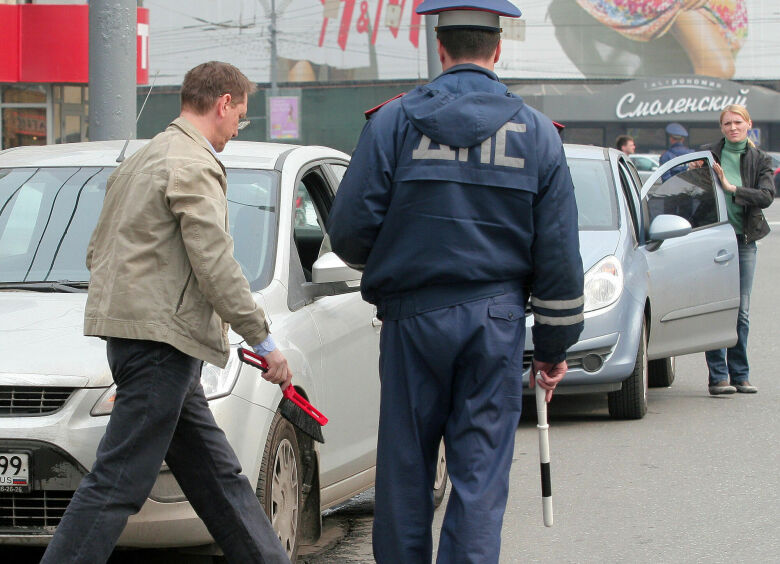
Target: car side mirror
330, 268
667, 226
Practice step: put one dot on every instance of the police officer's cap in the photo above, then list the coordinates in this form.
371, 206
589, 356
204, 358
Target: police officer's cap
469, 14
677, 130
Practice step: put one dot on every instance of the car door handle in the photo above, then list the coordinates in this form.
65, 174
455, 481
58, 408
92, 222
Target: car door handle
723, 256
376, 322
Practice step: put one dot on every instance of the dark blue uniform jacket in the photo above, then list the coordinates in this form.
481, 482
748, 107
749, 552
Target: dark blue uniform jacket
675, 150
460, 183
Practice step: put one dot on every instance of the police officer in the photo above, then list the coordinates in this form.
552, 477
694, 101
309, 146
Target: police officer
458, 202
677, 135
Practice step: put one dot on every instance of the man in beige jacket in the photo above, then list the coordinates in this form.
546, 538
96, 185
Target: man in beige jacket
163, 287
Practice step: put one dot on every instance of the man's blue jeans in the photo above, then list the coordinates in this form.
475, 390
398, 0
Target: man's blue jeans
732, 363
160, 413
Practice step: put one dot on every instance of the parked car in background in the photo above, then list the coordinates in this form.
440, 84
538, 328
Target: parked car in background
645, 163
661, 274
776, 169
56, 390
775, 159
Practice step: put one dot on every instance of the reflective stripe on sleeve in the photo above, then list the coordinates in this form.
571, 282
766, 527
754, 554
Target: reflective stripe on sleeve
567, 320
558, 304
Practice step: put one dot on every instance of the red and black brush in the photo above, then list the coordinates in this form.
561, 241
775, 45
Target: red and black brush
294, 406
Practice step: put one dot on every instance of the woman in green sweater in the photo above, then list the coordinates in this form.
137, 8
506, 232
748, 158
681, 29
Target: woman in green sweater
746, 177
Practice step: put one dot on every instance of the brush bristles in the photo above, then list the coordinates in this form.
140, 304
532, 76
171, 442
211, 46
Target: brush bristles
301, 420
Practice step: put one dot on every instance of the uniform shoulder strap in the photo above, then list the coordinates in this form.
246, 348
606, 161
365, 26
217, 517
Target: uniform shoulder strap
372, 111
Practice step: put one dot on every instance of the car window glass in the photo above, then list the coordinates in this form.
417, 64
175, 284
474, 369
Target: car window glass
644, 163
312, 203
595, 194
688, 192
339, 170
46, 218
252, 211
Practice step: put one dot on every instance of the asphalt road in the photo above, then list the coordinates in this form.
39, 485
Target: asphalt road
696, 480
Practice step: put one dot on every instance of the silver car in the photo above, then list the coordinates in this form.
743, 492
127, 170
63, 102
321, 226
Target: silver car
645, 163
661, 274
56, 390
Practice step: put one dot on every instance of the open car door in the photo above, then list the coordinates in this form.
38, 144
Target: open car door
694, 280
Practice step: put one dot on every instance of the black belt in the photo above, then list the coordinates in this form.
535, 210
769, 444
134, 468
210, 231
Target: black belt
436, 297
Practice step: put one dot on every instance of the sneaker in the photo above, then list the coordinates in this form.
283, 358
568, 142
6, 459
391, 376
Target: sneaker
720, 388
745, 387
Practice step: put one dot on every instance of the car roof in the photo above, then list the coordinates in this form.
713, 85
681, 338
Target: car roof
104, 153
586, 152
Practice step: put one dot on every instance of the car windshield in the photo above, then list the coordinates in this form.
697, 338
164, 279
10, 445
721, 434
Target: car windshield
595, 193
47, 216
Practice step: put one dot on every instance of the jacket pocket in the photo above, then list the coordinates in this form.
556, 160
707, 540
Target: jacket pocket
512, 316
191, 312
509, 312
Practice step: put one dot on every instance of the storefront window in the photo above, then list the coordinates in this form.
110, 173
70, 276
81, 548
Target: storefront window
70, 113
23, 115
650, 138
24, 126
584, 135
24, 94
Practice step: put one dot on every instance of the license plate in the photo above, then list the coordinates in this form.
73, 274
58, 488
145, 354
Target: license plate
14, 472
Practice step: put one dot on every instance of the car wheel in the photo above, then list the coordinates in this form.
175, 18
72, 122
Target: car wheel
630, 401
440, 484
661, 372
279, 484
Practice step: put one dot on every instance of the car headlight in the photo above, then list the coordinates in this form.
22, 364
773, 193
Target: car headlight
603, 284
216, 382
105, 404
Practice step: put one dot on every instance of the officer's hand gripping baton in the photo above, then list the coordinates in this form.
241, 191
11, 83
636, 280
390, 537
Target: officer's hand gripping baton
544, 452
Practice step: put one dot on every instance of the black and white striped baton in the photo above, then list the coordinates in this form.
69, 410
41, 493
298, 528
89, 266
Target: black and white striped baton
544, 452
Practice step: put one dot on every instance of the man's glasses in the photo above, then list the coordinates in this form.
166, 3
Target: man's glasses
243, 123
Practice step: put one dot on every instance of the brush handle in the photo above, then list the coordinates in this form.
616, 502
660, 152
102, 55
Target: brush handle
253, 359
301, 402
258, 361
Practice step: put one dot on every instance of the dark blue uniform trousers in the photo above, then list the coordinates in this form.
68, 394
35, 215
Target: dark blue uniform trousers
161, 412
454, 372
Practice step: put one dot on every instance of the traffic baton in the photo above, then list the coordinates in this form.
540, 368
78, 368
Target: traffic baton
544, 452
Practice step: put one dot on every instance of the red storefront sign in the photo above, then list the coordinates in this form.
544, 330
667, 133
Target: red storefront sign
50, 43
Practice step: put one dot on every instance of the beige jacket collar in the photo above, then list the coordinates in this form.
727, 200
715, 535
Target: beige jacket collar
194, 133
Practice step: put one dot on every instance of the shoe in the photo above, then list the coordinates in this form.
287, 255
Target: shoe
745, 387
720, 388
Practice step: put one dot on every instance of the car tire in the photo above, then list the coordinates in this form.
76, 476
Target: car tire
630, 401
279, 484
661, 372
440, 483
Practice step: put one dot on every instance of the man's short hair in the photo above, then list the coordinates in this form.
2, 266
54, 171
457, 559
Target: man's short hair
208, 81
622, 140
463, 44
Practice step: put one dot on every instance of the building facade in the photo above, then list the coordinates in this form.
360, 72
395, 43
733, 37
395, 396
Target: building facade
44, 71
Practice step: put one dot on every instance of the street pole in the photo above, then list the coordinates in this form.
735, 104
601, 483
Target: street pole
112, 69
274, 62
432, 50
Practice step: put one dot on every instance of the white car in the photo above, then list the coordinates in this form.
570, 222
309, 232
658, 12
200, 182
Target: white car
56, 389
645, 163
